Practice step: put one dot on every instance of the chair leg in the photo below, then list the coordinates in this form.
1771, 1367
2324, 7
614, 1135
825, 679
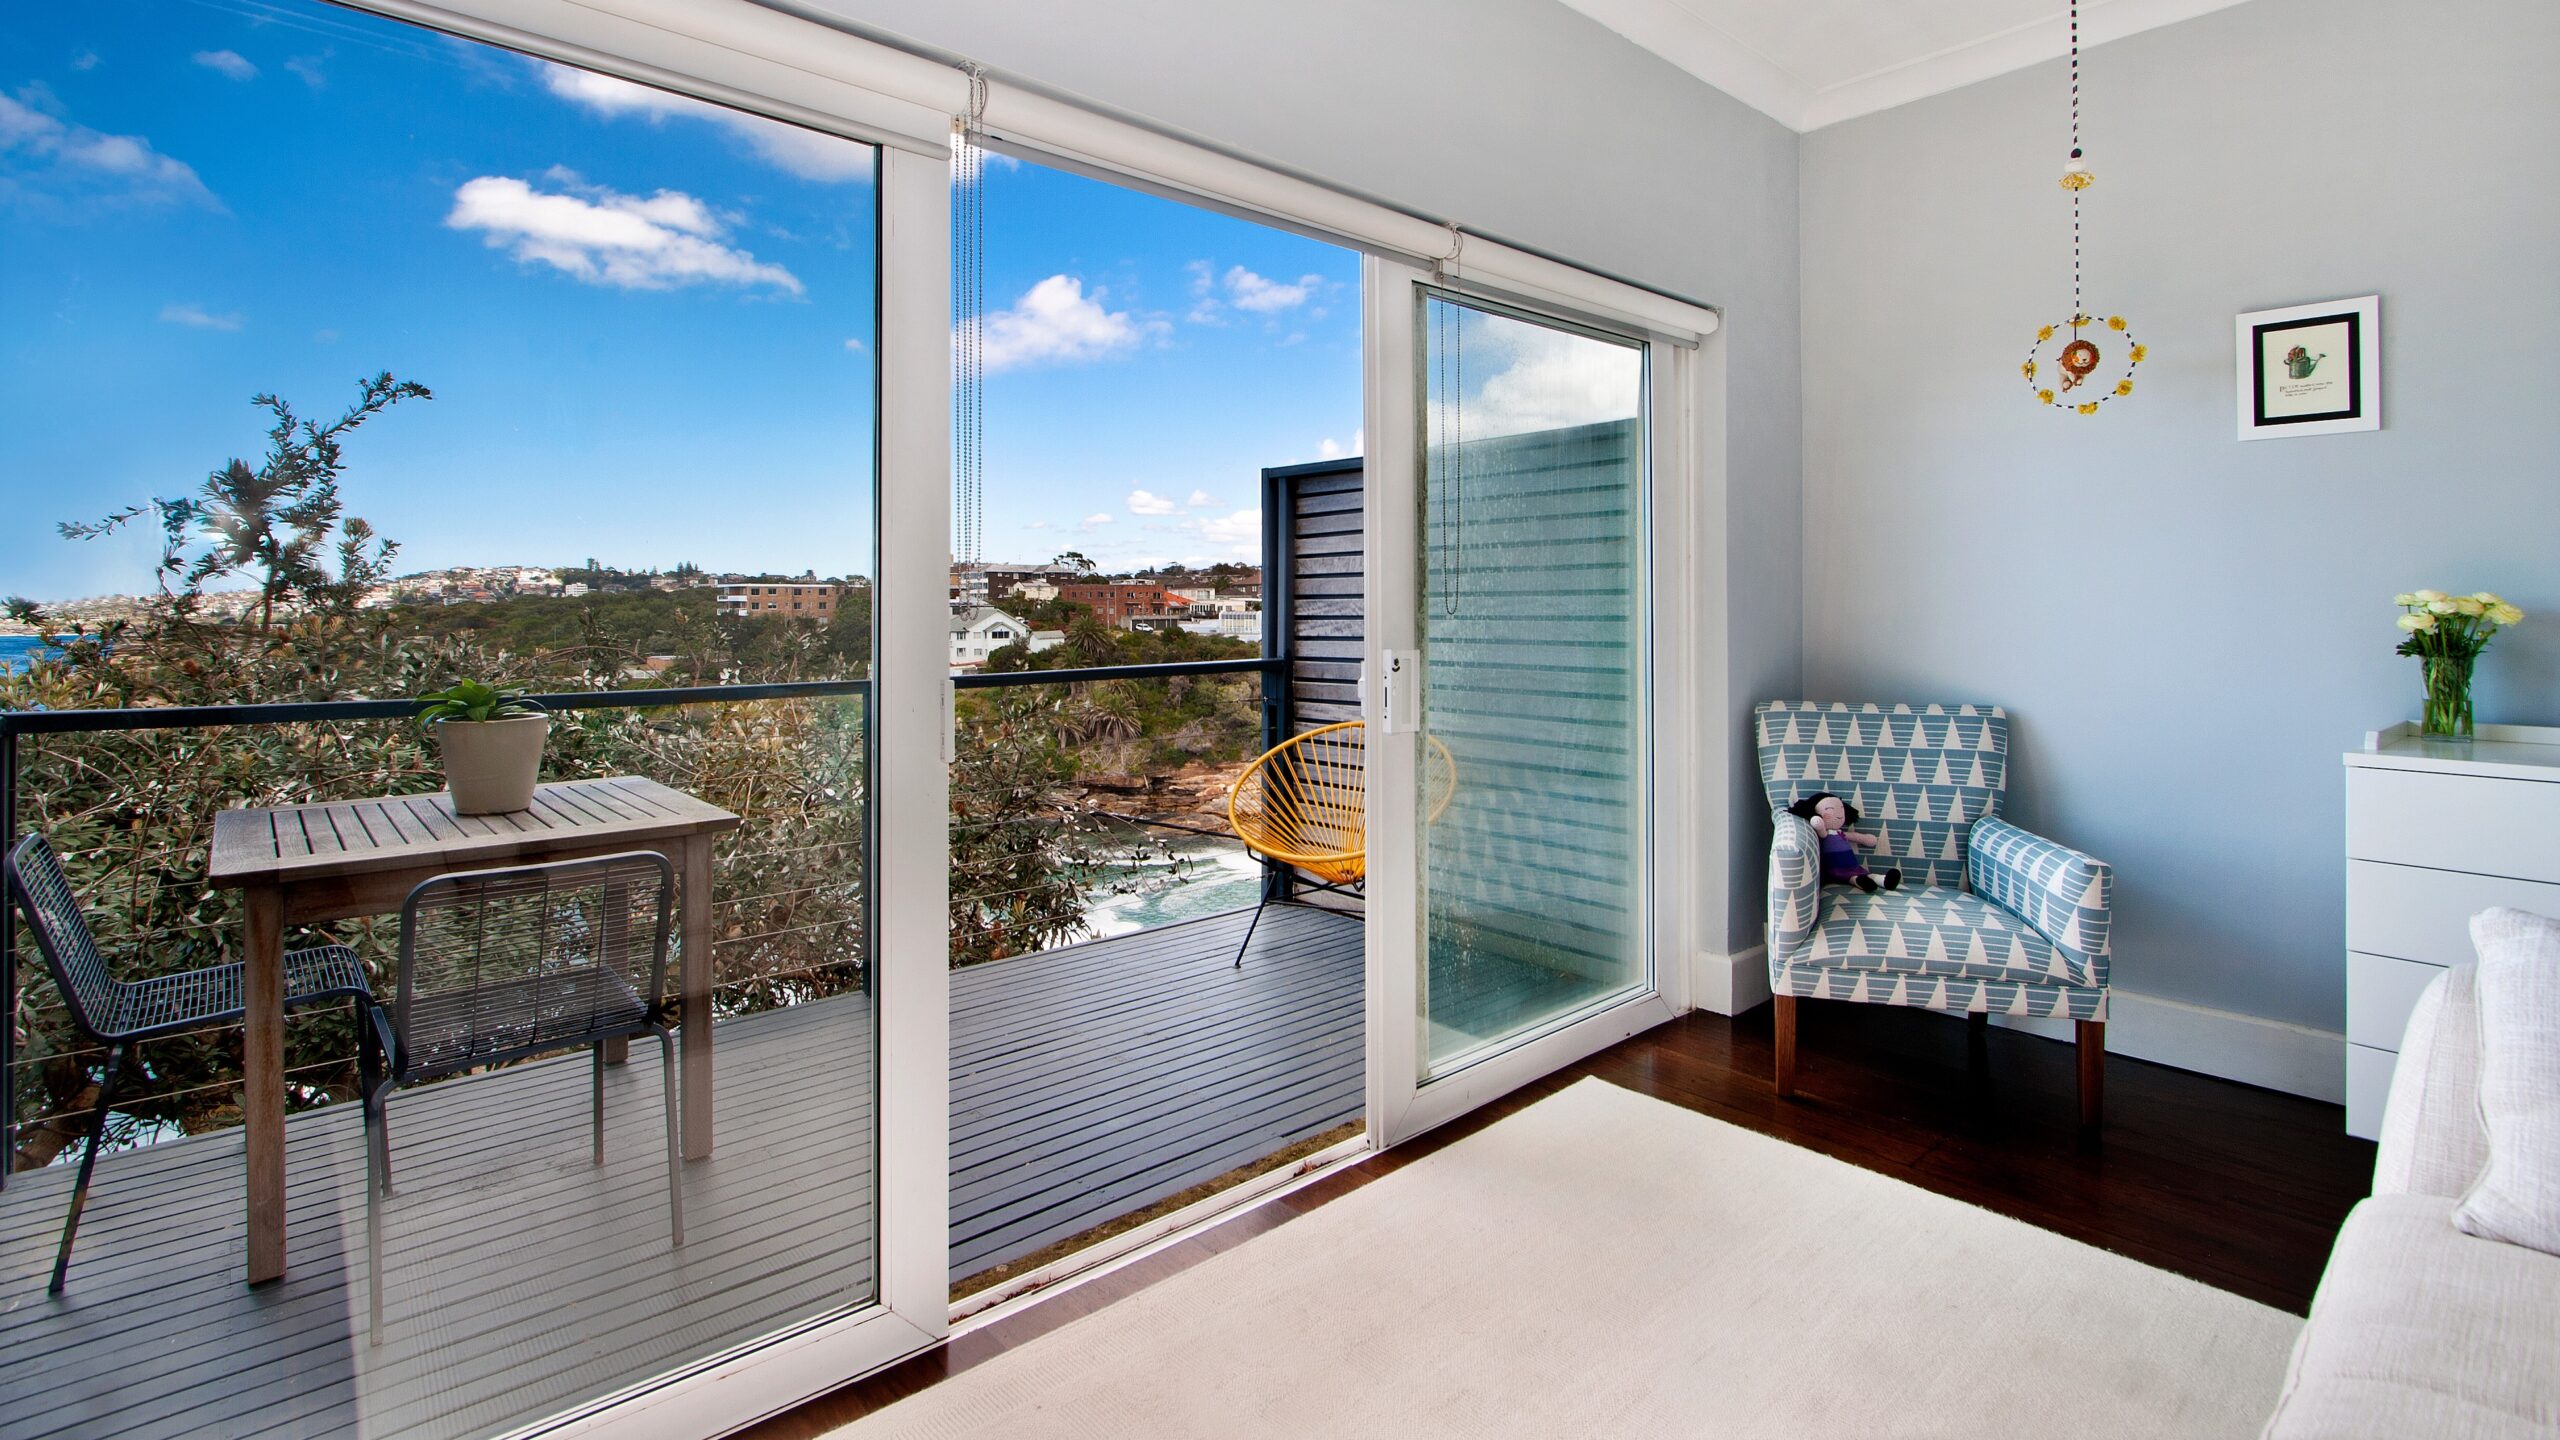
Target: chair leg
1784, 1014
377, 1165
675, 1144
2091, 1038
1249, 928
598, 1089
88, 1160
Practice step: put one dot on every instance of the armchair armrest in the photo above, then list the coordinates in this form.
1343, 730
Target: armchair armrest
1795, 886
2067, 896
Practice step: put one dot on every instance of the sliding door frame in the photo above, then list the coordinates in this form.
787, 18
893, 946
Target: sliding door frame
1403, 1100
757, 61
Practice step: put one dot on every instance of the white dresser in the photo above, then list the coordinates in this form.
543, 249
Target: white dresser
2436, 832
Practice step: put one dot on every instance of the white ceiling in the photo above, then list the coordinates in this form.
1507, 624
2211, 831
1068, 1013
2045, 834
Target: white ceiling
1808, 63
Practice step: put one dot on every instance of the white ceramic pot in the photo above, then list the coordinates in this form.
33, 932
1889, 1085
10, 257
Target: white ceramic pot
491, 765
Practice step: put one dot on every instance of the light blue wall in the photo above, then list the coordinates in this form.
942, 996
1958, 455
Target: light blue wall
1525, 121
2187, 629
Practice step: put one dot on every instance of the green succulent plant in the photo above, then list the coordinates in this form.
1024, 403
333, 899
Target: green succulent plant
471, 700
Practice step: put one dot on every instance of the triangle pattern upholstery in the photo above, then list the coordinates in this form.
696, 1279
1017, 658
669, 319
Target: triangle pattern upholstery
1918, 775
1990, 918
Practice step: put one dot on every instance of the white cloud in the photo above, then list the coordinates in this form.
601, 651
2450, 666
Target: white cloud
1548, 380
1093, 522
1264, 296
1056, 321
85, 60
808, 154
196, 317
853, 345
1330, 449
604, 237
1237, 535
45, 158
229, 64
306, 68
1202, 500
1147, 502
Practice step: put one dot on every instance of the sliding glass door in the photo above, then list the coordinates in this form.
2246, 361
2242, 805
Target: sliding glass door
1514, 768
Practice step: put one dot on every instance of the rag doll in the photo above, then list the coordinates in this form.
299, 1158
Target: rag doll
1832, 819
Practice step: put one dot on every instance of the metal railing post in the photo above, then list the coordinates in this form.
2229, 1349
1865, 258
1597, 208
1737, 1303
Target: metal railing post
8, 957
1277, 880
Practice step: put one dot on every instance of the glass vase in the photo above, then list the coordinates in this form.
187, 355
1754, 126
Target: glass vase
2448, 712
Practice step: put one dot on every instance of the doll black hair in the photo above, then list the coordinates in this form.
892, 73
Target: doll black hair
1803, 809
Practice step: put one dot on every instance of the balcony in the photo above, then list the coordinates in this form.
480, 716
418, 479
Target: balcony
1110, 1063
1088, 1082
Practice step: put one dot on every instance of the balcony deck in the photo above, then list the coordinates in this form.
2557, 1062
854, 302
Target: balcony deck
1087, 1082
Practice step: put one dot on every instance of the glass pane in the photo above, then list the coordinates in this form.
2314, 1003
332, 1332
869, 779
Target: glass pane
1533, 630
621, 442
1151, 371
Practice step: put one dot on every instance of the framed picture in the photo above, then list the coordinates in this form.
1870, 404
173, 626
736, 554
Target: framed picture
2311, 369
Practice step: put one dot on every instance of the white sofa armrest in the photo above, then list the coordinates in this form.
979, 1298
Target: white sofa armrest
2431, 1142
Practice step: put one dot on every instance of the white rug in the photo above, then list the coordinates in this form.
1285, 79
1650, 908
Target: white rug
1604, 1264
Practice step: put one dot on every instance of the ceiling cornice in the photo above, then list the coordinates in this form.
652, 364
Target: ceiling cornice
1679, 35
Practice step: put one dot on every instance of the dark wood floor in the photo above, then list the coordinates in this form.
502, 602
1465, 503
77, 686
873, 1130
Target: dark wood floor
2237, 1187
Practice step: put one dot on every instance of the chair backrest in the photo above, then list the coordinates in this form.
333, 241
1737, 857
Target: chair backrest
62, 933
1919, 775
1303, 803
496, 964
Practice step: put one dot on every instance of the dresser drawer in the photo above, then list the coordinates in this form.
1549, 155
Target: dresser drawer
2415, 913
2487, 825
2368, 1086
2381, 992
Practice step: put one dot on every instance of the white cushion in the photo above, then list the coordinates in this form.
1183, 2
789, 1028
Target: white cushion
2431, 1141
2422, 1331
2517, 1197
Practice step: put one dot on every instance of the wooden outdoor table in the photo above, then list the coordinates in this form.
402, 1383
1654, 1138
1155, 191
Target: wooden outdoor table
303, 864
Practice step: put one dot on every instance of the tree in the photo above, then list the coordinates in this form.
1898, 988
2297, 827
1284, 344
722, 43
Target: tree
278, 522
1076, 560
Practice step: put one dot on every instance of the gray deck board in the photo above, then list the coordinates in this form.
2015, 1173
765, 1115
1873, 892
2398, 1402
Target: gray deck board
1087, 1081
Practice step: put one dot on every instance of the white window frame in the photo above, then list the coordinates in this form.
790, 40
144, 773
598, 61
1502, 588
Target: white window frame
759, 59
1684, 696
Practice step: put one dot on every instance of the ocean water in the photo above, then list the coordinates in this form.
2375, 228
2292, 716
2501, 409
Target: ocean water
17, 650
1218, 876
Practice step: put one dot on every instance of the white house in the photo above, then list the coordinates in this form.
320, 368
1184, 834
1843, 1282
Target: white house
978, 631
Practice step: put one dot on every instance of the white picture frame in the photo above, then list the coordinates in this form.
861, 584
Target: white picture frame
2309, 369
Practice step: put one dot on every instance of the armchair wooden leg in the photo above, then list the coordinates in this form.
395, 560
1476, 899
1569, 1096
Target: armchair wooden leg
1785, 1016
2091, 1036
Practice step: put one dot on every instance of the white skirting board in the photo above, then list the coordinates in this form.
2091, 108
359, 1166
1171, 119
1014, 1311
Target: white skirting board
2270, 1054
1729, 984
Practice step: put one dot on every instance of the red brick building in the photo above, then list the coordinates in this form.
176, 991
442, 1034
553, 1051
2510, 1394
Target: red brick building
1120, 603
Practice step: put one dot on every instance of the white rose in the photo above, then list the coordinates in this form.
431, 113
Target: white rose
2426, 597
2417, 621
2506, 614
2404, 599
2442, 605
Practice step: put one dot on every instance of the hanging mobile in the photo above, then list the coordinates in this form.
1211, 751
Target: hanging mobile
2058, 379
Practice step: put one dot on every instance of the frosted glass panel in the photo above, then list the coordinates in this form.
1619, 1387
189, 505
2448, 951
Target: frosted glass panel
1533, 628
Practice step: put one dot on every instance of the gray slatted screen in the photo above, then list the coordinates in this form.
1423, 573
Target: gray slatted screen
1311, 587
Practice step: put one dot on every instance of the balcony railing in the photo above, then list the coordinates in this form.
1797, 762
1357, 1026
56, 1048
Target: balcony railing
791, 919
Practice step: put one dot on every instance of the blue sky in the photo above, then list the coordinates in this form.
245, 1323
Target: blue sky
647, 322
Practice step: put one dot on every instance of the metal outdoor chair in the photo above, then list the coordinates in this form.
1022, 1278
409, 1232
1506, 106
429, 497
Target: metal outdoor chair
1303, 805
121, 1014
508, 964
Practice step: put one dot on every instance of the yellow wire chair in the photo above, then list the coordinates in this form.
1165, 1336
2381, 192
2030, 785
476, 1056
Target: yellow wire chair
1302, 804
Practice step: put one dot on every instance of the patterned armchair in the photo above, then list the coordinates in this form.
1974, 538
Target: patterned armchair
1989, 919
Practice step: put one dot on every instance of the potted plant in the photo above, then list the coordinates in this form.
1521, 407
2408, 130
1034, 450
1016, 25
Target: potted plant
491, 740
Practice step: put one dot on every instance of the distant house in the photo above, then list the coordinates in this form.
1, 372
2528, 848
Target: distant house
977, 583
978, 631
797, 600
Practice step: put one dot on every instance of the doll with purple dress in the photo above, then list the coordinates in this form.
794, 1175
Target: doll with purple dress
1834, 821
